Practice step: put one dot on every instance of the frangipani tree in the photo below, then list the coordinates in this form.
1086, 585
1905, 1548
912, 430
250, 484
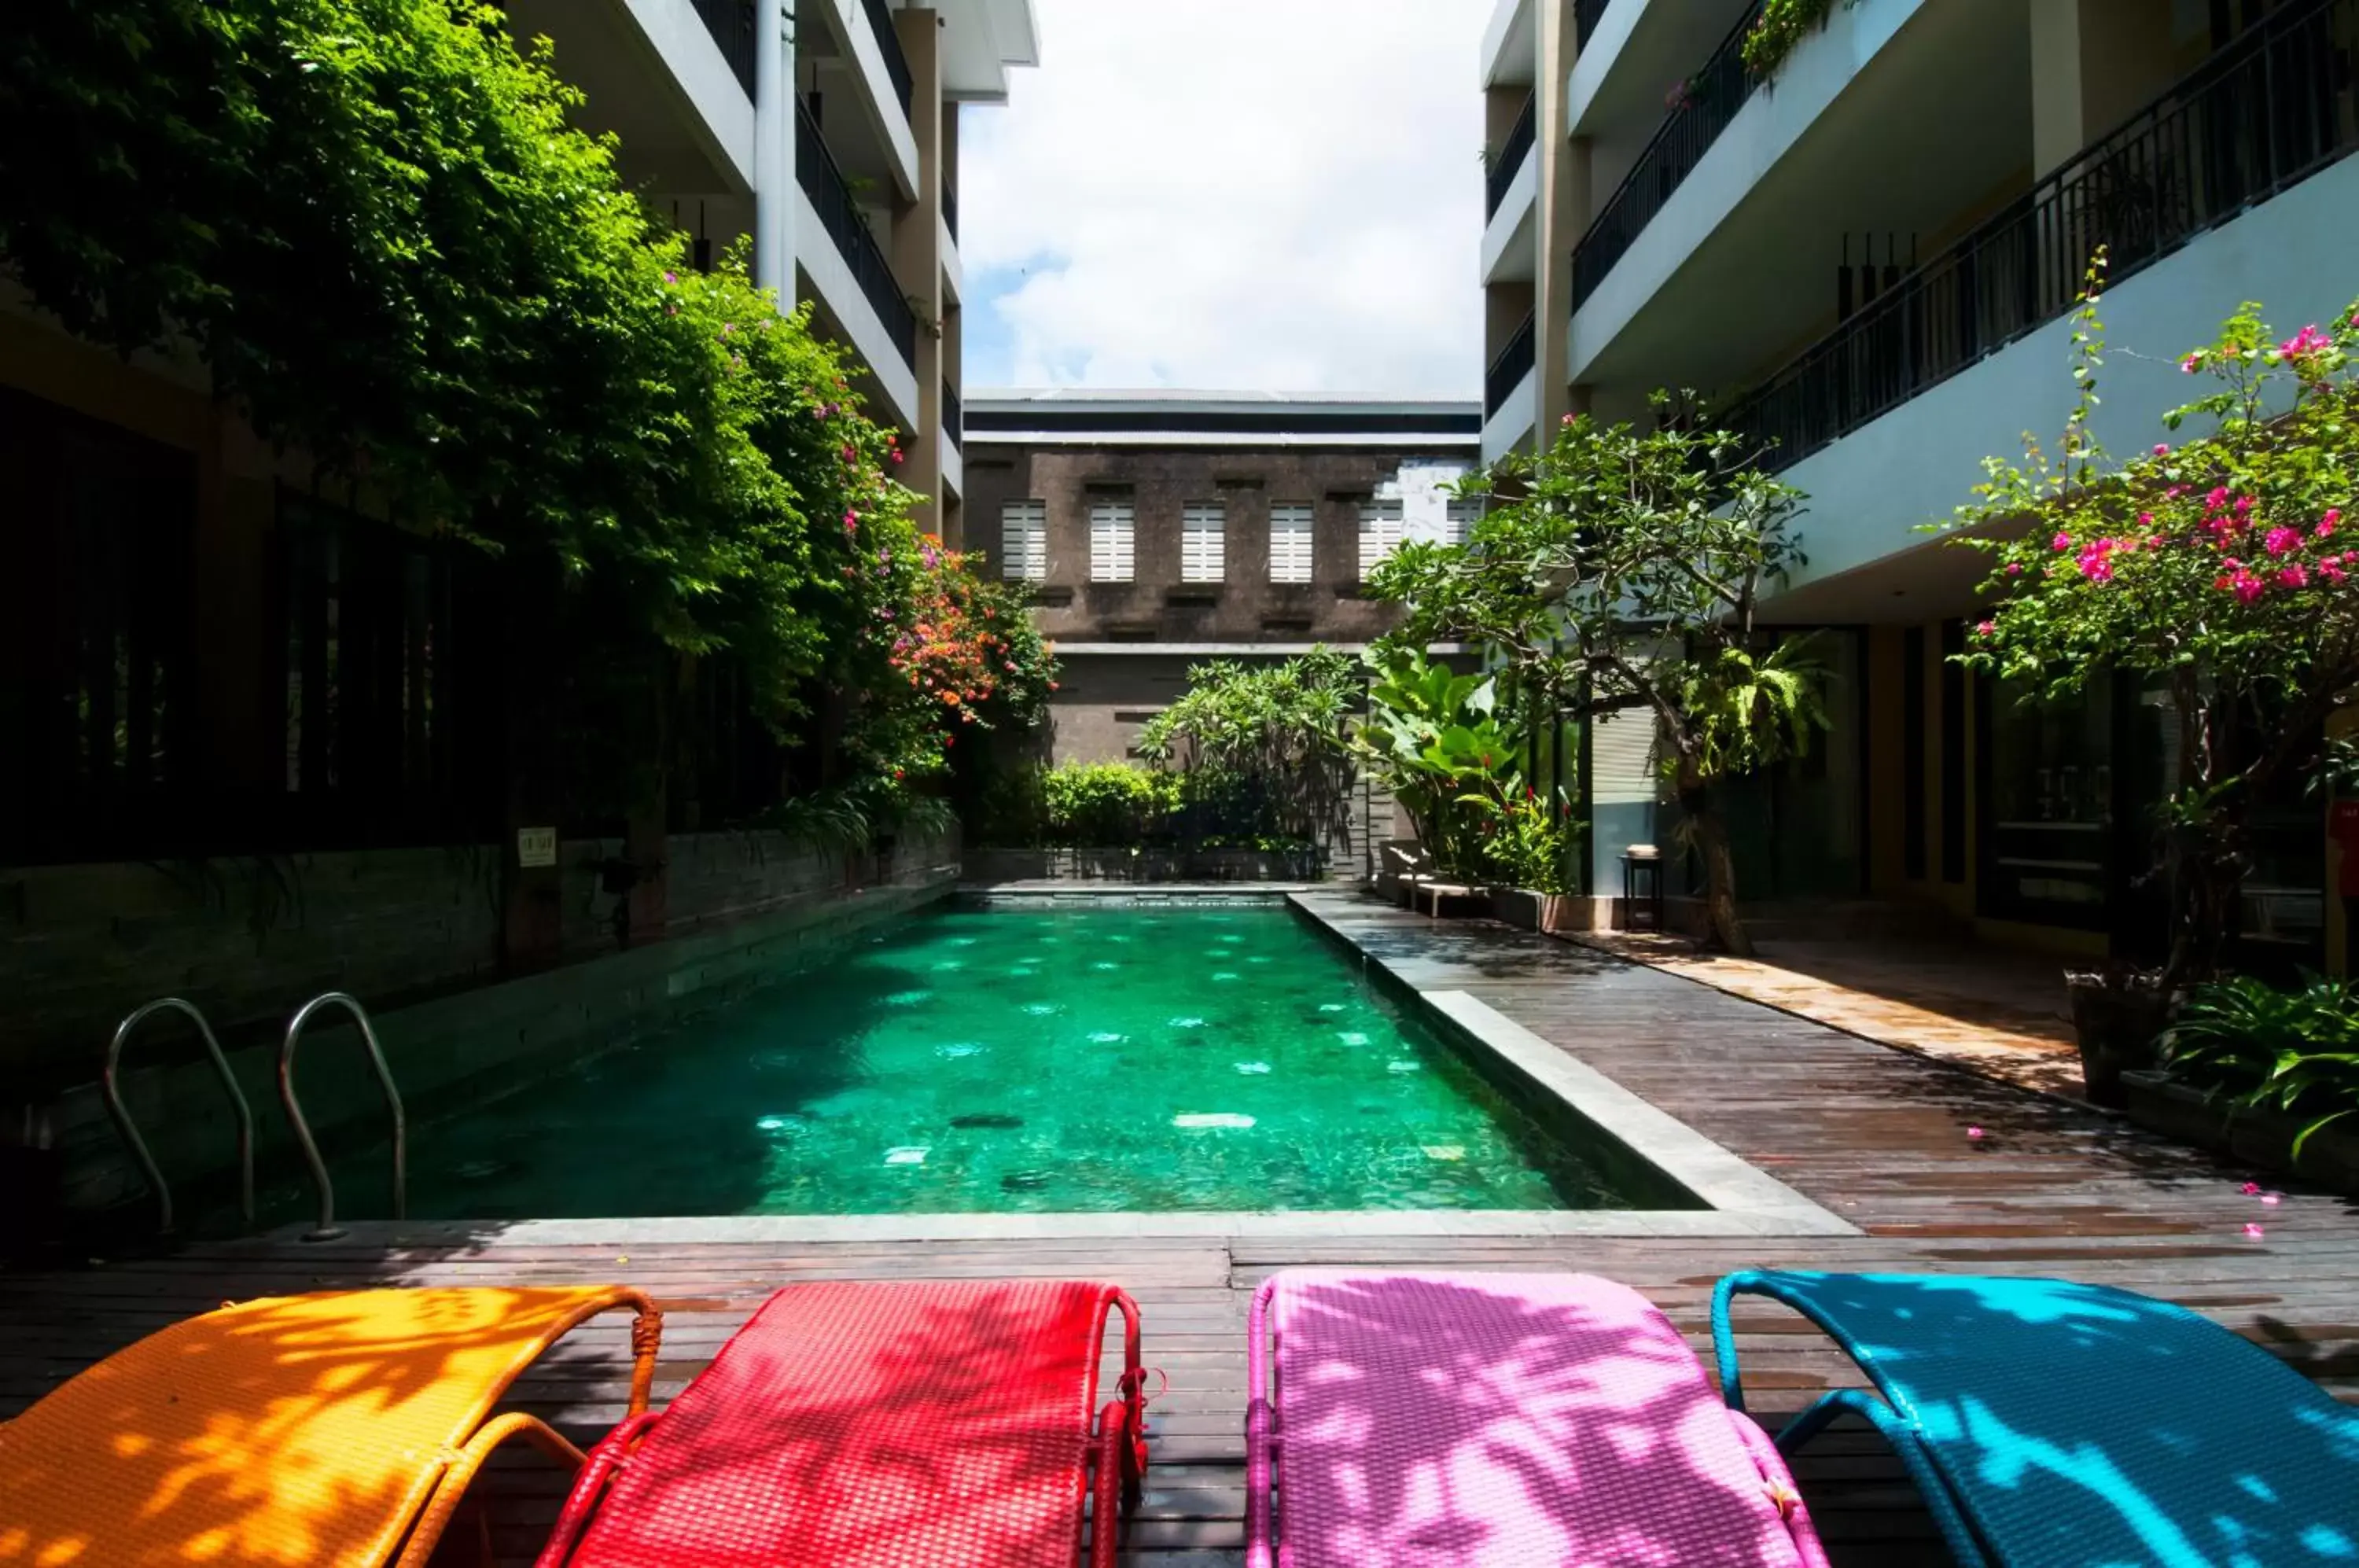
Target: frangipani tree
2223, 569
1624, 571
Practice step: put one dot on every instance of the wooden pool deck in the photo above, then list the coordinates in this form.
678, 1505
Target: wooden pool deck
1876, 1135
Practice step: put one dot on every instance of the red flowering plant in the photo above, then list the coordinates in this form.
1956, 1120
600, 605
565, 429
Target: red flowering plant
968, 652
2224, 570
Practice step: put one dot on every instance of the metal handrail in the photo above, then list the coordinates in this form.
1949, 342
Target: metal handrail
831, 197
326, 1229
954, 416
2273, 107
1714, 95
731, 26
1510, 160
1507, 371
1586, 14
888, 44
111, 1092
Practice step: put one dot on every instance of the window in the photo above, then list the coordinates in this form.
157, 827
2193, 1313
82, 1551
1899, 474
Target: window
1459, 520
1290, 541
1112, 541
1024, 542
1380, 532
1203, 555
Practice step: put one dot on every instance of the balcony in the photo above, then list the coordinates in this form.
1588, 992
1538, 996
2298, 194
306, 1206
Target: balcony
2273, 107
950, 208
1586, 14
1711, 98
839, 215
1507, 371
888, 44
1509, 161
953, 417
731, 23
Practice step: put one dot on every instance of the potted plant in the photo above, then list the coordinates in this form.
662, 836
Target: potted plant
1529, 858
2118, 1015
2270, 1075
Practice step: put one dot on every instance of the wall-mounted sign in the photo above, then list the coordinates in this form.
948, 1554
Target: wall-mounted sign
536, 846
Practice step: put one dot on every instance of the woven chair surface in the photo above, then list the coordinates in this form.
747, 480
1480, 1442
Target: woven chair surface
2080, 1425
1501, 1420
305, 1429
867, 1423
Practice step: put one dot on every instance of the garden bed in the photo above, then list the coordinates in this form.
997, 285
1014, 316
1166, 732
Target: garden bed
1123, 864
2157, 1102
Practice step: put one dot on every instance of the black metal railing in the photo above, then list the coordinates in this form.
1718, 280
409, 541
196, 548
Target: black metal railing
1708, 101
950, 208
731, 23
831, 197
888, 44
2274, 106
1586, 14
1510, 157
954, 416
1508, 370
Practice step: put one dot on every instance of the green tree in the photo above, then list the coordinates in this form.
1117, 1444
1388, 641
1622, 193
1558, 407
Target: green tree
1436, 737
1264, 751
1623, 570
2221, 569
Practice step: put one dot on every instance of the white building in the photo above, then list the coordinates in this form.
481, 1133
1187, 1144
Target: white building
1866, 260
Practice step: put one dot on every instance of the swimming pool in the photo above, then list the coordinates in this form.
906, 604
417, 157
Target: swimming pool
1133, 1060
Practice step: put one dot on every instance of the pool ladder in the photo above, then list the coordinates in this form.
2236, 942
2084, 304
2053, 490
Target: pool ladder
326, 1229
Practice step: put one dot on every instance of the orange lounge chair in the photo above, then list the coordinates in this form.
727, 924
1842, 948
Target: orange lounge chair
337, 1430
878, 1426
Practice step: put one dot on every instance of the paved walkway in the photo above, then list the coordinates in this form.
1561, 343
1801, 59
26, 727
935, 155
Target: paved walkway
1999, 1014
1877, 1137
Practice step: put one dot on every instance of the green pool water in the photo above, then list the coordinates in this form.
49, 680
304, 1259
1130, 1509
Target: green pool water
1136, 1059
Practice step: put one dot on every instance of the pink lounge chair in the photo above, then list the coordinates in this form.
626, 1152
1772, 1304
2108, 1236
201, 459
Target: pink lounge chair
1498, 1421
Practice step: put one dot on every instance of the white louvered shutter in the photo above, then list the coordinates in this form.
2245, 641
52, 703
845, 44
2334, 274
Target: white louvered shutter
1112, 541
1290, 541
1024, 540
1381, 526
1458, 520
1204, 548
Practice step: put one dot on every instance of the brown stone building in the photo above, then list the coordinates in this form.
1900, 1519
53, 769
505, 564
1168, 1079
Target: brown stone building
1163, 529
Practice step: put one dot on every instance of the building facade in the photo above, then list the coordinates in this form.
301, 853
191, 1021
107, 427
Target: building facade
1160, 530
1867, 262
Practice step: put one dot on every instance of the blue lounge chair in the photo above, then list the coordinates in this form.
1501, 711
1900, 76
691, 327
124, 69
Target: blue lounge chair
2056, 1425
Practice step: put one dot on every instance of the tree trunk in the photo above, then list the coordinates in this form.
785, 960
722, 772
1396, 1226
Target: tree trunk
1728, 933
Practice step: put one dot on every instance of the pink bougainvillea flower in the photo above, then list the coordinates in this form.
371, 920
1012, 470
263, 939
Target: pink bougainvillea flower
2253, 1231
2280, 539
2326, 523
2272, 1199
851, 455
2014, 569
897, 455
2293, 576
2218, 499
2251, 1189
2061, 543
1974, 1133
2331, 570
1985, 628
2192, 363
2246, 587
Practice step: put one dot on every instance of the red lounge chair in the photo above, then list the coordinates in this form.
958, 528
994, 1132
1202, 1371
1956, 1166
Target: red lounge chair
877, 1425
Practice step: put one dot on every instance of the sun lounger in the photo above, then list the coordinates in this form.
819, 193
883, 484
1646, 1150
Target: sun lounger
1484, 1421
2056, 1425
861, 1425
338, 1430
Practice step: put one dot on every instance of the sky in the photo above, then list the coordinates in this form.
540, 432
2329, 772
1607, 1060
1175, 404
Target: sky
1267, 195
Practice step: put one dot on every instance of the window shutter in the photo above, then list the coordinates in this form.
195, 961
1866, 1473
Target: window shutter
1203, 553
1459, 520
1024, 540
1381, 524
1290, 542
1112, 535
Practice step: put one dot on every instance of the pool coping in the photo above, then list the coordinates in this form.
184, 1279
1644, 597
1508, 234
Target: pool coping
1744, 1200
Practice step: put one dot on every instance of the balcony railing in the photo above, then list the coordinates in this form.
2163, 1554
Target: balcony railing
1507, 371
888, 44
953, 417
2273, 107
950, 208
1586, 14
1510, 157
731, 23
1710, 100
831, 197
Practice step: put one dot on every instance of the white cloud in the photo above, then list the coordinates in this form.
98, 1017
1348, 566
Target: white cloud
1236, 194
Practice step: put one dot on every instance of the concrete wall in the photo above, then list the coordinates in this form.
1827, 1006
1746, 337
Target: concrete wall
406, 927
1247, 606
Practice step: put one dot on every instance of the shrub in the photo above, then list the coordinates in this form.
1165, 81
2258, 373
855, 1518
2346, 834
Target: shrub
1095, 803
1533, 847
2296, 1051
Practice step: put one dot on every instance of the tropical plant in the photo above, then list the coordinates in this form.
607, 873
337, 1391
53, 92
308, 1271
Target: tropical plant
1621, 571
2295, 1051
1435, 736
1101, 804
2219, 570
1779, 29
1262, 752
1533, 848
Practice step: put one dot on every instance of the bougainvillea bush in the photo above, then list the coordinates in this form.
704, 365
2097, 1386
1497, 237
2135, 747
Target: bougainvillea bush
2225, 567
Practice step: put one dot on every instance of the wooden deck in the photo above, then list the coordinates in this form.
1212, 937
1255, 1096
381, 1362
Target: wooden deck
1877, 1137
